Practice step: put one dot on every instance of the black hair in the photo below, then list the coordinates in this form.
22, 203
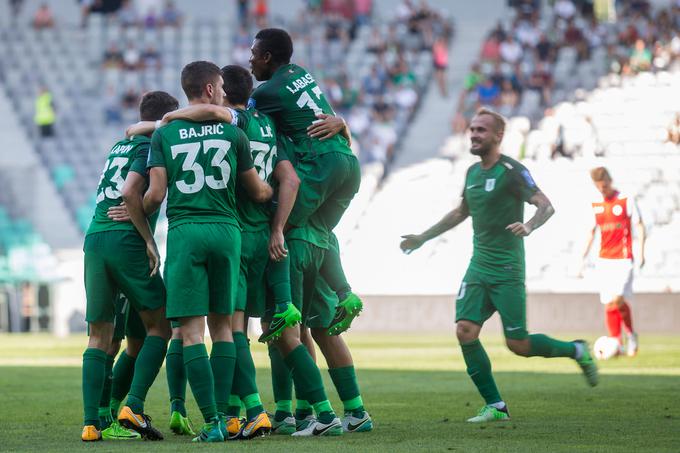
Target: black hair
196, 75
155, 104
237, 84
277, 42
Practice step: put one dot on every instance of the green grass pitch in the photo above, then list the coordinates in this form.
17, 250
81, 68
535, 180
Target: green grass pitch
415, 387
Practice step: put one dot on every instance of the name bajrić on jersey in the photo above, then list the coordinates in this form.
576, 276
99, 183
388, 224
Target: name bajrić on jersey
300, 83
212, 129
122, 149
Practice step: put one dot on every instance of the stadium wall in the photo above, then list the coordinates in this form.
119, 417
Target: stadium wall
546, 312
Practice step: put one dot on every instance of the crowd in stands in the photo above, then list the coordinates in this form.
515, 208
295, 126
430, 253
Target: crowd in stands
522, 58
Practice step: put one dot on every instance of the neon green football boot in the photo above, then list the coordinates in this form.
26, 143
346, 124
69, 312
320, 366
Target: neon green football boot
490, 414
116, 432
181, 425
280, 322
345, 312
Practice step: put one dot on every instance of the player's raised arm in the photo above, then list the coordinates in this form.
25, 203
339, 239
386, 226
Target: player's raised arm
201, 112
544, 210
289, 183
412, 242
327, 126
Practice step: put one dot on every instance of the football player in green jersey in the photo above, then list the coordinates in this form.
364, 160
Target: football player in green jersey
329, 172
198, 165
494, 194
123, 257
287, 350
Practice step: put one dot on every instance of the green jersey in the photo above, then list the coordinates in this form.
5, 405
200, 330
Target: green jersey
495, 198
293, 99
125, 156
261, 132
202, 161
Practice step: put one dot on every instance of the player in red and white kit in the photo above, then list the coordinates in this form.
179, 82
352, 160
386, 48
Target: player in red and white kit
615, 216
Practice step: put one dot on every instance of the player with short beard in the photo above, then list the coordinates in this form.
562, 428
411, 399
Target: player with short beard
494, 194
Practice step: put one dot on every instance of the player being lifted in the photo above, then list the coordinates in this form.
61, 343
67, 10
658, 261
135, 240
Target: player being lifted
494, 194
122, 257
615, 216
198, 164
329, 172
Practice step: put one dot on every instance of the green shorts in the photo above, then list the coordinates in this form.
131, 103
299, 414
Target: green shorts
328, 182
480, 295
251, 281
322, 307
201, 269
116, 261
127, 322
309, 292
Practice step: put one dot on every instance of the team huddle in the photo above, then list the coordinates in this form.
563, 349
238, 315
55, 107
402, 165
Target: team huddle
255, 182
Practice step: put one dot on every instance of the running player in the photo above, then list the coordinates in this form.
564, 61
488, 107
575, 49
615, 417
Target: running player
615, 216
494, 195
329, 172
117, 258
198, 165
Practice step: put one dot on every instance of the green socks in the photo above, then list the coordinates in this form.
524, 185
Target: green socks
105, 399
278, 282
331, 269
245, 385
223, 362
302, 409
479, 370
345, 381
147, 366
200, 377
544, 346
234, 409
308, 383
177, 376
282, 380
94, 374
123, 371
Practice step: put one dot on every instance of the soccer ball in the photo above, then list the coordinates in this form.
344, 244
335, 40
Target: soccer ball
605, 348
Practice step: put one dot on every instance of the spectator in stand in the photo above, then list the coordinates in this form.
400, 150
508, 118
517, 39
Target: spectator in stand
673, 130
151, 19
374, 84
376, 43
565, 9
244, 12
544, 50
170, 16
15, 9
151, 58
363, 10
488, 94
43, 17
131, 58
127, 15
473, 78
45, 115
541, 81
528, 33
510, 50
113, 57
241, 49
112, 106
641, 57
508, 99
260, 13
440, 60
491, 49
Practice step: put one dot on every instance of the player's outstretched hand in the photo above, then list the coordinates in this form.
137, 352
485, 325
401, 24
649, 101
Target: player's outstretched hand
277, 246
325, 127
410, 243
119, 213
154, 257
519, 229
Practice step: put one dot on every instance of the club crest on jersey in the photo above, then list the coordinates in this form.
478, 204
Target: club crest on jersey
490, 184
617, 210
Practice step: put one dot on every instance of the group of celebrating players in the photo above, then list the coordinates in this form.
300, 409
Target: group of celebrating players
255, 182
